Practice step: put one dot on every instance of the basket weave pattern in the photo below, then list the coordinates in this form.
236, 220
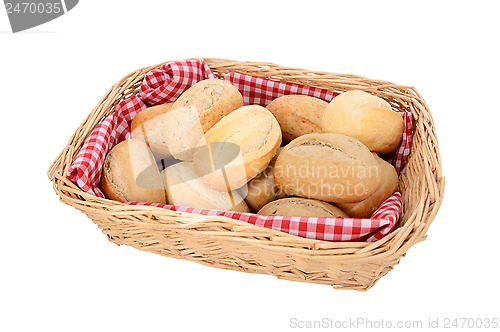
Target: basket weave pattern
232, 244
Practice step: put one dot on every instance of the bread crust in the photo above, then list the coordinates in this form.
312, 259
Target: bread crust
298, 115
262, 189
367, 118
149, 125
327, 167
184, 187
366, 207
108, 188
256, 134
197, 110
302, 207
130, 174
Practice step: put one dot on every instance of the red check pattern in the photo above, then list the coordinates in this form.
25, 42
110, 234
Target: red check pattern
85, 171
398, 158
165, 84
262, 91
327, 229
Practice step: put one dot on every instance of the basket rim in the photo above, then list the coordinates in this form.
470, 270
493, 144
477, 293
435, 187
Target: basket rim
74, 196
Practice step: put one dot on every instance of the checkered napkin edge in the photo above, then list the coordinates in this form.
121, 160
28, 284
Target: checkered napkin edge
327, 229
165, 84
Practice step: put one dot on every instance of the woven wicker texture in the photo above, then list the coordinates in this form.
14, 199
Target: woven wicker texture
231, 244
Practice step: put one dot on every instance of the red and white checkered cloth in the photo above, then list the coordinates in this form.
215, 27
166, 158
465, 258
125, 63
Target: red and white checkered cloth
329, 229
165, 84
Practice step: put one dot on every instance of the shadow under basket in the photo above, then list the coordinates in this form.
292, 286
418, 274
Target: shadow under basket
222, 242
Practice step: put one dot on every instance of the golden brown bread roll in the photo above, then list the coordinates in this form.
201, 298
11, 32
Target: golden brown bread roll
301, 207
251, 133
298, 115
262, 189
149, 125
196, 111
328, 167
130, 174
184, 187
365, 117
366, 207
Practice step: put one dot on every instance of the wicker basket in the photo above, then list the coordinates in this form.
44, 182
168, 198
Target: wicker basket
231, 244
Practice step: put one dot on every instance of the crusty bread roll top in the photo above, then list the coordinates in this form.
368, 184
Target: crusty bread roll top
365, 117
253, 132
196, 111
366, 207
184, 187
149, 125
328, 167
130, 174
298, 115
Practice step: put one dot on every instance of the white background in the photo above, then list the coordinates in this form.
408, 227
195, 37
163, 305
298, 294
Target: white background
59, 272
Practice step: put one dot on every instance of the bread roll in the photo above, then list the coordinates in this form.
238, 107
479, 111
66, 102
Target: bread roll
301, 207
328, 167
184, 187
298, 115
130, 174
262, 189
366, 207
149, 125
196, 111
251, 134
365, 117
